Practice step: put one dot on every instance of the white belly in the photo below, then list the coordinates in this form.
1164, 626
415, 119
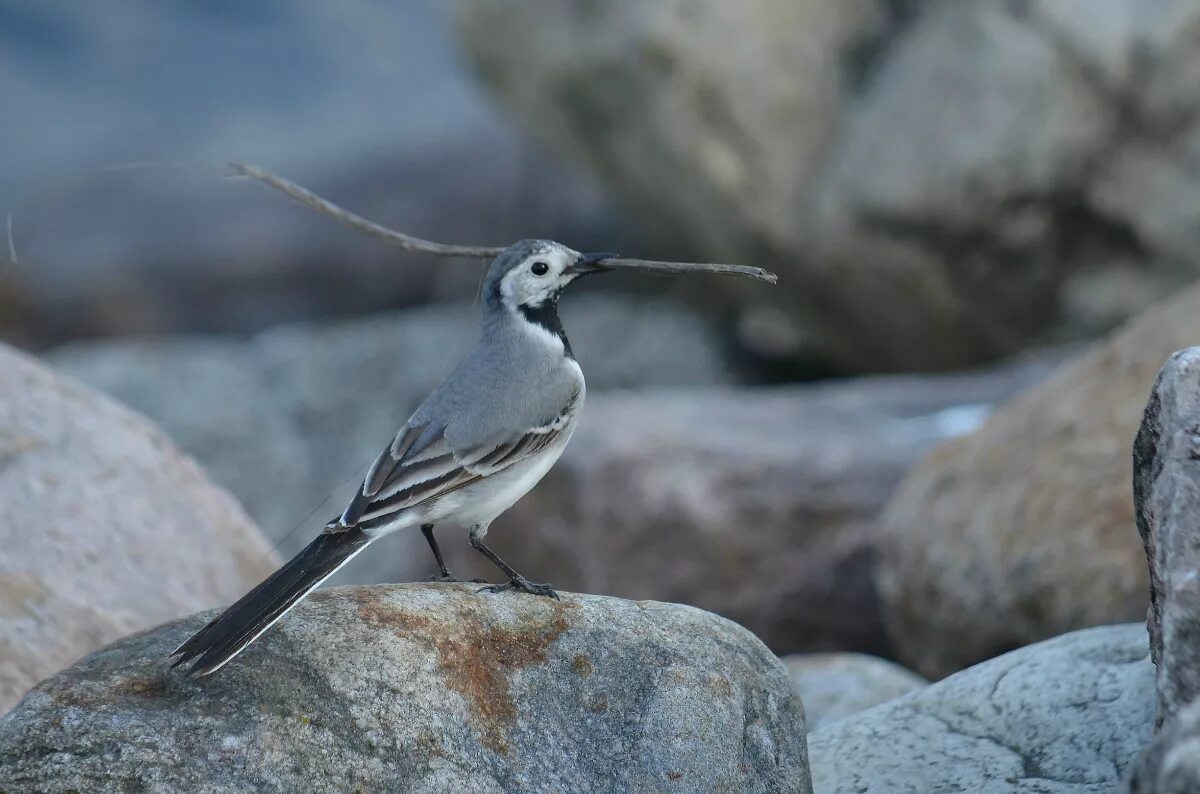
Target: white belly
480, 503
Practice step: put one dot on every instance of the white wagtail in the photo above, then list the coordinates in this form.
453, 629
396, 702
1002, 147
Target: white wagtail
477, 444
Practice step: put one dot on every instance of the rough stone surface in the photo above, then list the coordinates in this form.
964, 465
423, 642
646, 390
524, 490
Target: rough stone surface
1025, 528
289, 419
835, 685
425, 688
1065, 716
936, 182
760, 504
1166, 492
106, 527
1171, 765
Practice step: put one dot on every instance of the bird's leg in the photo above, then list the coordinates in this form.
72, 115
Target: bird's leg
427, 531
515, 580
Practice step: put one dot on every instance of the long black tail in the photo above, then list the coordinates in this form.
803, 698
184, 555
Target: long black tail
235, 628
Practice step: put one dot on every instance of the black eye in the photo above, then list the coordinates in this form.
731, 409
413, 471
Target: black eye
539, 268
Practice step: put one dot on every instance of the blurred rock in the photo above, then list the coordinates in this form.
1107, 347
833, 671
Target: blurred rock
462, 692
1171, 765
1166, 493
725, 140
836, 685
107, 527
759, 504
1025, 529
937, 183
375, 111
289, 419
1066, 716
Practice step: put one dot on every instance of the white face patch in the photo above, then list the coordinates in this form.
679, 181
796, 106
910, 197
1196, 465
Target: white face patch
523, 286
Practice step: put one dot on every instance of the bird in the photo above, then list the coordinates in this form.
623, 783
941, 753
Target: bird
478, 443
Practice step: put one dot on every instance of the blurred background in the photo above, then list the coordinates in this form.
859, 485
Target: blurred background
957, 197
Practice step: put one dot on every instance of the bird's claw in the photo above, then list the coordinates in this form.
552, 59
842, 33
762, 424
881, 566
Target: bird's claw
524, 585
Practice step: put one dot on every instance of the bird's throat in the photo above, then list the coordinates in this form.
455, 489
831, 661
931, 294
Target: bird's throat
545, 316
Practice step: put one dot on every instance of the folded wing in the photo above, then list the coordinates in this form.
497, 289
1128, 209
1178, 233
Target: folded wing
421, 465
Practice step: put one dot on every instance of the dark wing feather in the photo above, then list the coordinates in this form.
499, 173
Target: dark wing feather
396, 463
428, 477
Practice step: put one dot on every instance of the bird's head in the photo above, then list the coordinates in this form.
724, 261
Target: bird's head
529, 275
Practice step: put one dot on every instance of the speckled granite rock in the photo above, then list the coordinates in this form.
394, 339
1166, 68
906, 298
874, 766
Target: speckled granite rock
1065, 716
106, 527
425, 688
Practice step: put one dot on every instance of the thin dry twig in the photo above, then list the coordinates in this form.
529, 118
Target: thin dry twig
749, 271
357, 222
410, 243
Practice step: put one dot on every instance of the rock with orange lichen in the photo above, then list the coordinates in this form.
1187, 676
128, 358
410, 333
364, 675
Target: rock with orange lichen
425, 688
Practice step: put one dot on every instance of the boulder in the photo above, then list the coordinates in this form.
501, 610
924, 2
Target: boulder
726, 139
1065, 716
835, 685
425, 688
1167, 501
759, 504
1166, 492
1025, 529
936, 182
106, 526
289, 419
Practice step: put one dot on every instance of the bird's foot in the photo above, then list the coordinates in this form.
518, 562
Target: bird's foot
450, 578
524, 585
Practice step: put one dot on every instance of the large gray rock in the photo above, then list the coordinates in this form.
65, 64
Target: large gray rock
936, 182
835, 685
425, 688
1025, 529
1167, 505
106, 527
289, 419
1065, 716
1166, 491
180, 248
760, 504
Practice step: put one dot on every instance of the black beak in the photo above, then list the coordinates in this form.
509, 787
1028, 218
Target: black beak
587, 264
